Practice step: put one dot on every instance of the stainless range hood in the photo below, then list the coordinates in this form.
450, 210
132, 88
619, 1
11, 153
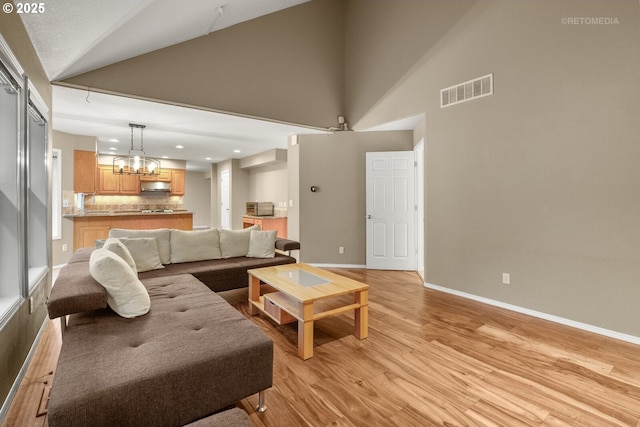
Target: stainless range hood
155, 187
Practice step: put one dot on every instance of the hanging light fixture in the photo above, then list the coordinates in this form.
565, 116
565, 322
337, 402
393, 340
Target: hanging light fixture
136, 163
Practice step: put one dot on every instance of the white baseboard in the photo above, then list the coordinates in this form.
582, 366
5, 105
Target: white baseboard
556, 319
21, 373
337, 265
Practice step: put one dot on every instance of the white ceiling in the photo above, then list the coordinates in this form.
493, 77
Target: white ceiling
203, 134
76, 36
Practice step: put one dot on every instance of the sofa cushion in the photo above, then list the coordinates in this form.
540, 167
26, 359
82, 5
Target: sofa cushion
188, 246
162, 235
144, 251
262, 244
118, 248
235, 243
193, 354
125, 293
220, 274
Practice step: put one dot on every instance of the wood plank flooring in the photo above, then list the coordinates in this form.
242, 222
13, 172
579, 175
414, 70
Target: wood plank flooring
431, 359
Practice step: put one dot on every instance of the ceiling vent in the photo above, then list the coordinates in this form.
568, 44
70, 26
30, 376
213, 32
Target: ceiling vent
472, 89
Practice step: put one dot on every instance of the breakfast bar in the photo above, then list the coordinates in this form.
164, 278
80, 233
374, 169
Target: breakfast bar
91, 225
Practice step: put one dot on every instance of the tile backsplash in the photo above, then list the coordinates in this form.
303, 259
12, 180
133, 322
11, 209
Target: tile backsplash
119, 203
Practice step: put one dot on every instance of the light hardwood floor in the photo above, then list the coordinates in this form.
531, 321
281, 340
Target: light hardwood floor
431, 359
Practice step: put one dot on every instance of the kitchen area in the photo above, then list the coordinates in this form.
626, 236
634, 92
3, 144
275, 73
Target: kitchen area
95, 200
102, 199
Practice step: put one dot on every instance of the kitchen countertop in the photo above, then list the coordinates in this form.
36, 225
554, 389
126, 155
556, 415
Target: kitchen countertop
123, 213
262, 216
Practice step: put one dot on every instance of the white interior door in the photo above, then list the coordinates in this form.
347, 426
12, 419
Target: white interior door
420, 223
391, 234
225, 200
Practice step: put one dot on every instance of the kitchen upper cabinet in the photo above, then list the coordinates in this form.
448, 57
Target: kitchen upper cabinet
164, 176
177, 182
129, 184
84, 171
109, 183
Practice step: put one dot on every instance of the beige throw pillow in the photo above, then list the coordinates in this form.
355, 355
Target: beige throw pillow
144, 252
126, 295
262, 244
187, 246
118, 248
162, 235
234, 243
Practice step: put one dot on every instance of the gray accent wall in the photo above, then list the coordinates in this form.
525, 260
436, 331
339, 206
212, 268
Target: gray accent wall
539, 180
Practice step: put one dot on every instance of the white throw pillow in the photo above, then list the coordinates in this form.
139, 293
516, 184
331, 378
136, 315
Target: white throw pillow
187, 246
144, 251
118, 248
262, 244
234, 243
126, 295
162, 235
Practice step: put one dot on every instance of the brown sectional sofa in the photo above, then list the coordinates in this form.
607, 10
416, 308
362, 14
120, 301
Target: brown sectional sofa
192, 355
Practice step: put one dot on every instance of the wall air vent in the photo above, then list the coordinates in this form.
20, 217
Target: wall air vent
472, 89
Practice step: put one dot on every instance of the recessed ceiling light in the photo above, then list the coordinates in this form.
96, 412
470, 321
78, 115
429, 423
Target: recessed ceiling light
114, 140
179, 147
165, 157
207, 158
112, 148
237, 151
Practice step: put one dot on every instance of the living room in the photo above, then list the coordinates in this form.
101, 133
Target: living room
536, 180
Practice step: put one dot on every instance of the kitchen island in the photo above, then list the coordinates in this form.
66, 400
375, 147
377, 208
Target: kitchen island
278, 223
91, 225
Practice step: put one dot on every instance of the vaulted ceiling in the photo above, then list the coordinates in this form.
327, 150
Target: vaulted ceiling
76, 36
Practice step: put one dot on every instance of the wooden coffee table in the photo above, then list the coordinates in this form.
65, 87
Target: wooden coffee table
299, 286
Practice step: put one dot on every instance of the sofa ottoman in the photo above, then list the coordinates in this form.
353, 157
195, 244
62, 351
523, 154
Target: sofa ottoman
192, 355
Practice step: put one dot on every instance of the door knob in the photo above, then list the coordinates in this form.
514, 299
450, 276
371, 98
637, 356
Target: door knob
368, 216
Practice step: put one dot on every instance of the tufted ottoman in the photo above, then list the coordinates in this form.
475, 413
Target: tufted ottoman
192, 355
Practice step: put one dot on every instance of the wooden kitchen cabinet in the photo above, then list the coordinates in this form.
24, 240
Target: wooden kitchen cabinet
164, 176
130, 184
109, 183
84, 171
277, 223
177, 182
86, 229
86, 233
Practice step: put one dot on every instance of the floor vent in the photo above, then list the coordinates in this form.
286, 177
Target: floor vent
472, 89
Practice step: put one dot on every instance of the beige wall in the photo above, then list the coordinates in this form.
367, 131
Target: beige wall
269, 67
269, 183
540, 179
239, 190
19, 332
335, 215
68, 143
197, 197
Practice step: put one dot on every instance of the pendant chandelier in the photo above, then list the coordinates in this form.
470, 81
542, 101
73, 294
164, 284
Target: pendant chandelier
136, 163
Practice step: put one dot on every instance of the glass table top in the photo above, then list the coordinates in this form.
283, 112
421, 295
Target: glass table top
304, 278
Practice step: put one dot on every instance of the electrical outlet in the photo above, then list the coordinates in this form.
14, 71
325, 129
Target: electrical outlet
30, 305
341, 250
65, 203
65, 248
506, 278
